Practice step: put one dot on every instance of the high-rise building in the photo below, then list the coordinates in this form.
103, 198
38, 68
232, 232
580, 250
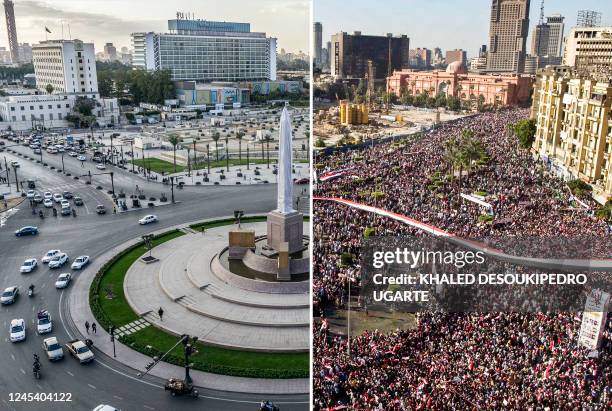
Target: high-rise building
67, 65
204, 50
318, 43
509, 27
350, 54
110, 52
456, 55
574, 126
25, 53
588, 48
482, 51
547, 40
555, 35
11, 29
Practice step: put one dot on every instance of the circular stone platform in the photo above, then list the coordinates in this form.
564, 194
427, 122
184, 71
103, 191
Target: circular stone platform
226, 311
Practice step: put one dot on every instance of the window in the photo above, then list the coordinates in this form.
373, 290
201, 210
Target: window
31, 107
40, 107
14, 118
50, 106
51, 116
22, 108
67, 105
12, 108
23, 117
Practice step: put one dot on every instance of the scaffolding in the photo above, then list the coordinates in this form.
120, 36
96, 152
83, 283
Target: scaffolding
588, 18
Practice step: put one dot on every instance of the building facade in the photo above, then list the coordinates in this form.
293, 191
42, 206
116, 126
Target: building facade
456, 55
191, 93
574, 127
207, 51
509, 27
351, 53
67, 65
11, 30
588, 47
25, 112
455, 81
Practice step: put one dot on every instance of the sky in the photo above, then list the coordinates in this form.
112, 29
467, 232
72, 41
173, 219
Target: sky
103, 21
447, 24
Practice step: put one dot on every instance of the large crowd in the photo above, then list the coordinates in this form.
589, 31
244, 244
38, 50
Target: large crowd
452, 360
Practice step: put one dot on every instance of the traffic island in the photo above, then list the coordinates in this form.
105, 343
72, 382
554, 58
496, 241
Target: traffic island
148, 334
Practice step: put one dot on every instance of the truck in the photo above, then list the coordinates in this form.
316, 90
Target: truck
79, 350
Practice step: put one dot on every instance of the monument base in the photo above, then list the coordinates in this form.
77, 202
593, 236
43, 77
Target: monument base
286, 228
239, 242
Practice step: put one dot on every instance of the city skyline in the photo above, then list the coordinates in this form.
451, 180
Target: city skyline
465, 27
112, 21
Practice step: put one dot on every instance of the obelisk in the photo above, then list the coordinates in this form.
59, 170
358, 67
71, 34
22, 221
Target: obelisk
285, 224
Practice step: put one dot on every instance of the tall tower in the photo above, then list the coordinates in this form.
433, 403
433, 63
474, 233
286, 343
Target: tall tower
11, 29
318, 43
508, 32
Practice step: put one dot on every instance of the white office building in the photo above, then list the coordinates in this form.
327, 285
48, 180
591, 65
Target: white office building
25, 112
207, 51
67, 65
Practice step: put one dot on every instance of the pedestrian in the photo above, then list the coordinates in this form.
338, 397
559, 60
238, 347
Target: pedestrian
87, 326
93, 327
160, 312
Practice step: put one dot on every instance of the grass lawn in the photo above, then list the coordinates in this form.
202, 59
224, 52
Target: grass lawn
157, 165
117, 309
219, 223
210, 358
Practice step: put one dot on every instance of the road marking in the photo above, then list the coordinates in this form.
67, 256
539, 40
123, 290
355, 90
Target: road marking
13, 357
147, 407
22, 371
39, 386
70, 374
118, 397
92, 386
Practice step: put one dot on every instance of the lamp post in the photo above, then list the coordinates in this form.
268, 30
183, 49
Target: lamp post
172, 188
208, 157
247, 157
226, 153
16, 180
132, 148
188, 162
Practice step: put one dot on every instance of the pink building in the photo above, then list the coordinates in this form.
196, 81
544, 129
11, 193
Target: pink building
508, 89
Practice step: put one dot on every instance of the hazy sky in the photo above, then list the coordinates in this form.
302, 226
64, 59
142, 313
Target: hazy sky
448, 24
104, 21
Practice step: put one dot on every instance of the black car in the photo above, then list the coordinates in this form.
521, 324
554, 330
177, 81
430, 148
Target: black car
78, 201
28, 230
100, 209
67, 195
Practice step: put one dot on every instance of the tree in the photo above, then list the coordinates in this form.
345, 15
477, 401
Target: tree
216, 136
239, 136
605, 212
84, 105
174, 140
105, 85
49, 89
525, 132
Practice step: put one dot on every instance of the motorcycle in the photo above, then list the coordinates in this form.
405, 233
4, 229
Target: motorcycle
73, 212
31, 291
36, 367
41, 214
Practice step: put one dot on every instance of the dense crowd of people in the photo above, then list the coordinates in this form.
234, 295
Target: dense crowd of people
452, 360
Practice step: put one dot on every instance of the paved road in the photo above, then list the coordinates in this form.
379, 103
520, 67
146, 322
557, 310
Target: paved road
105, 381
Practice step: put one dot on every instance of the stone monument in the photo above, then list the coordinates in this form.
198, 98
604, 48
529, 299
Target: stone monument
284, 224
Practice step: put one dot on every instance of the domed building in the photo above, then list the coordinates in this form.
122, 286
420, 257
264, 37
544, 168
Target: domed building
456, 67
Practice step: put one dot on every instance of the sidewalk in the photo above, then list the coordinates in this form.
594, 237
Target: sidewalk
80, 311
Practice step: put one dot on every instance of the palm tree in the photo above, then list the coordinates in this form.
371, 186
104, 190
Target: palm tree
216, 136
49, 89
174, 140
239, 136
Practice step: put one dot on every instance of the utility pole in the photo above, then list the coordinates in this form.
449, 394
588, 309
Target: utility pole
194, 154
226, 153
63, 168
247, 156
112, 338
189, 350
172, 188
112, 183
132, 145
208, 157
8, 173
16, 180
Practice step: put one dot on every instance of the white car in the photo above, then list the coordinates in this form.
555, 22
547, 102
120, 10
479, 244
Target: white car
15, 164
72, 154
53, 349
59, 260
105, 407
147, 219
18, 330
57, 197
50, 255
30, 194
44, 324
9, 295
63, 280
28, 265
48, 195
79, 350
48, 203
81, 158
100, 166
65, 203
80, 262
